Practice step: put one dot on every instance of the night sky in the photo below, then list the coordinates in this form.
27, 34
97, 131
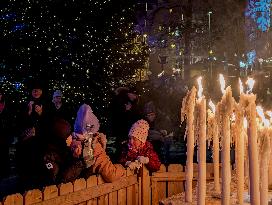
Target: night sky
85, 48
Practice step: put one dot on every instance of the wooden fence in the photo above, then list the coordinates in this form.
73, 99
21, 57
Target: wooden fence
93, 191
141, 189
168, 181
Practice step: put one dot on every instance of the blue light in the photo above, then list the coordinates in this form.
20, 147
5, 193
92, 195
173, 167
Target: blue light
251, 56
259, 11
17, 85
242, 64
18, 27
9, 16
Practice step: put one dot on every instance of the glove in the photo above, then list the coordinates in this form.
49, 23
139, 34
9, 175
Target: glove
143, 160
133, 165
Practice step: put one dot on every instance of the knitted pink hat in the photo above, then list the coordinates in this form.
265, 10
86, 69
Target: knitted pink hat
139, 130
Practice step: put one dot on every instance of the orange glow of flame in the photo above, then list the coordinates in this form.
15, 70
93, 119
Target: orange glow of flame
222, 83
250, 83
245, 123
262, 116
212, 106
241, 86
200, 88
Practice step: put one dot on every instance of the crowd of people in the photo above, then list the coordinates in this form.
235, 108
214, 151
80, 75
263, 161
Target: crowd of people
52, 148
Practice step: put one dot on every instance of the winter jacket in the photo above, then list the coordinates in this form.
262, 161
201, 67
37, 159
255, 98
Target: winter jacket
102, 165
147, 151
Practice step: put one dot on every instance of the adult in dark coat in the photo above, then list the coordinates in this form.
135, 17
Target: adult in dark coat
58, 109
124, 112
31, 140
58, 162
5, 137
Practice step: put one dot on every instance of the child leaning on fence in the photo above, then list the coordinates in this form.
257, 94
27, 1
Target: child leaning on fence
138, 151
90, 145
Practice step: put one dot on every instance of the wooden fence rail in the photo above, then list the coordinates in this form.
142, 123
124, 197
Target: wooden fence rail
141, 189
170, 180
93, 191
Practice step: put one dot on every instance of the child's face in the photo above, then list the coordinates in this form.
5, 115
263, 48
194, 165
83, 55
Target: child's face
134, 143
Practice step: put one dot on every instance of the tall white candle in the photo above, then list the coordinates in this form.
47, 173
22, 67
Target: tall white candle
188, 109
226, 109
264, 132
240, 122
249, 101
201, 110
213, 134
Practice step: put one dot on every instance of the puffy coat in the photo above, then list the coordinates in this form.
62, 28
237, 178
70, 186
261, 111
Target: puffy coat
147, 151
102, 165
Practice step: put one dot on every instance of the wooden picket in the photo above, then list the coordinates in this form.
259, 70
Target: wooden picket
130, 198
91, 182
15, 199
66, 189
80, 184
162, 186
102, 200
159, 189
175, 187
50, 192
32, 197
145, 186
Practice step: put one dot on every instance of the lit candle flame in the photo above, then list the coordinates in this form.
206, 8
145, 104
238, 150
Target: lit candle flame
222, 83
241, 86
200, 88
212, 106
250, 83
262, 116
245, 123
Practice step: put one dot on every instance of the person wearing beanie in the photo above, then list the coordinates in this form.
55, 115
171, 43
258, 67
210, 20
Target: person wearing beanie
138, 151
32, 127
88, 144
35, 111
158, 136
57, 108
57, 99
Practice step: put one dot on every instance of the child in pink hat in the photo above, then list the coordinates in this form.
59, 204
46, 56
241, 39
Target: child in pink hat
138, 151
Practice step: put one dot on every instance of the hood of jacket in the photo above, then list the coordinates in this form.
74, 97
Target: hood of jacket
86, 120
